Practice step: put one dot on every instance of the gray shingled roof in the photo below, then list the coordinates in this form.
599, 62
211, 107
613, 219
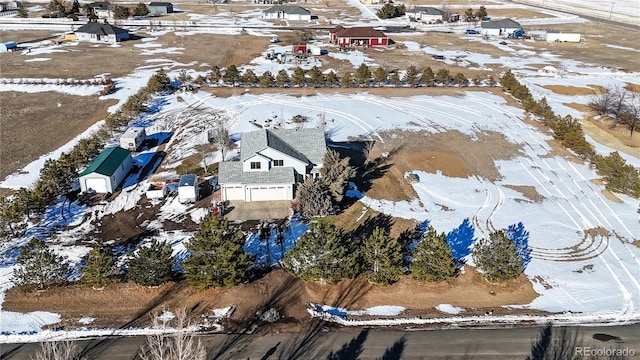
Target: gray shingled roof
428, 10
230, 172
100, 29
288, 9
306, 145
500, 24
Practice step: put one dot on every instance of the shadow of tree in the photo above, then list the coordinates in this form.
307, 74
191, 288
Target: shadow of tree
352, 349
555, 344
394, 352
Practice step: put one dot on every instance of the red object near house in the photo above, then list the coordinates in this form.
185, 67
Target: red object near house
300, 48
361, 36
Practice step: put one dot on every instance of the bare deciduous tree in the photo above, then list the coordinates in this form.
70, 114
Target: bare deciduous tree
219, 135
59, 350
181, 345
630, 114
203, 153
601, 101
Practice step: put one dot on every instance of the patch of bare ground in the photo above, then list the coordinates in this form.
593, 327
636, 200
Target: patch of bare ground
358, 214
572, 90
529, 192
517, 13
636, 243
611, 196
593, 49
605, 132
29, 128
125, 305
25, 35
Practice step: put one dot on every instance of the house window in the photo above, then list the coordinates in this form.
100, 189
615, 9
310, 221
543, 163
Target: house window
255, 165
278, 162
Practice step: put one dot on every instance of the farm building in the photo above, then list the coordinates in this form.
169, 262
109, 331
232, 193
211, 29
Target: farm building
426, 14
299, 48
287, 12
333, 33
503, 27
271, 163
132, 138
8, 46
160, 8
103, 10
96, 32
106, 171
555, 36
361, 36
188, 189
13, 5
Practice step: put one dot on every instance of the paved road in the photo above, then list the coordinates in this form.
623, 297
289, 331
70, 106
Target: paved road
366, 344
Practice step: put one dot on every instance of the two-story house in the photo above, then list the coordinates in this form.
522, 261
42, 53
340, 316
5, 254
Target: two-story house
272, 162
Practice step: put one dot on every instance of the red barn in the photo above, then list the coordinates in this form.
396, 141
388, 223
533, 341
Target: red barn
300, 48
361, 36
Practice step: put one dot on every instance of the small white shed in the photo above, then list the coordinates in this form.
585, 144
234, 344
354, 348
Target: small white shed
106, 171
554, 36
132, 138
188, 189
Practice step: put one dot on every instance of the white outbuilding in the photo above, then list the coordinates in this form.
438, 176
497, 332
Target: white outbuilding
555, 36
106, 171
132, 138
188, 189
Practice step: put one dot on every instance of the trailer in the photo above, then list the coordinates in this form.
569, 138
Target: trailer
132, 138
157, 190
188, 189
554, 36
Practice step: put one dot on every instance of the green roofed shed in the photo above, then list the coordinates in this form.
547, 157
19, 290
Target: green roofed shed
106, 171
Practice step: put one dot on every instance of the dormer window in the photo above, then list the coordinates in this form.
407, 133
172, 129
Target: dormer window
278, 162
255, 165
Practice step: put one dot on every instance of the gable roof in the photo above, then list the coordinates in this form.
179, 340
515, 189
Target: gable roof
100, 6
428, 10
336, 29
107, 162
230, 172
160, 4
288, 9
306, 145
101, 29
361, 32
500, 24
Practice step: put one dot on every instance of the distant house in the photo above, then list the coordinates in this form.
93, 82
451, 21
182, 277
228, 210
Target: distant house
103, 10
160, 8
556, 36
333, 33
287, 12
271, 163
361, 36
97, 32
426, 14
13, 5
132, 138
107, 171
8, 46
504, 27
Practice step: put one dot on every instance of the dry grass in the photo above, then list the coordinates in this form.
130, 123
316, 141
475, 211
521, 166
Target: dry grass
568, 90
517, 13
529, 192
616, 138
348, 219
611, 196
29, 127
128, 305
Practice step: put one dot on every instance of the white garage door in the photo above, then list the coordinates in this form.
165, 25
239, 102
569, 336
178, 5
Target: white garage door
267, 193
97, 185
233, 193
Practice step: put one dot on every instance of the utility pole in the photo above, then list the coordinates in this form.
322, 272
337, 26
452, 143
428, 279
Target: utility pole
611, 11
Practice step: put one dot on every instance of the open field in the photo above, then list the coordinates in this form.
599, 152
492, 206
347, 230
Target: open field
28, 127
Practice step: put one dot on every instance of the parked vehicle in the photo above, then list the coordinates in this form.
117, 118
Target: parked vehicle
472, 32
188, 189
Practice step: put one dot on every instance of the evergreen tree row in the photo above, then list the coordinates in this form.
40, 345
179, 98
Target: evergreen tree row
364, 76
617, 174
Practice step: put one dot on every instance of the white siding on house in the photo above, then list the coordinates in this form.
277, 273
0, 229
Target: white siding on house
288, 161
257, 158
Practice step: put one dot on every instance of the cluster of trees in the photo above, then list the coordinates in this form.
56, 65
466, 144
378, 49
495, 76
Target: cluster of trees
471, 15
123, 12
327, 253
61, 8
58, 175
566, 129
617, 174
216, 259
319, 196
621, 104
388, 11
364, 76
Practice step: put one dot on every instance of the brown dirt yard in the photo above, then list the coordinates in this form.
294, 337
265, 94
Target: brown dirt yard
128, 305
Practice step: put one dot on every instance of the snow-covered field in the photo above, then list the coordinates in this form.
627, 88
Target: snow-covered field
584, 265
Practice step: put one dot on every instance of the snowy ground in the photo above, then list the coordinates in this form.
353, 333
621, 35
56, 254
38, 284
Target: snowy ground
574, 269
